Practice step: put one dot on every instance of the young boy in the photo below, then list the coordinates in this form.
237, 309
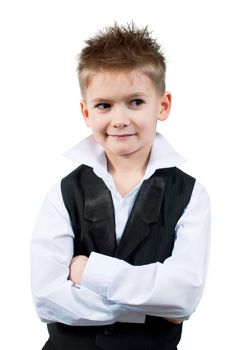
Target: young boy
120, 247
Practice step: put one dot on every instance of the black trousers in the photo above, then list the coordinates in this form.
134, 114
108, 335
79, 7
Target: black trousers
156, 333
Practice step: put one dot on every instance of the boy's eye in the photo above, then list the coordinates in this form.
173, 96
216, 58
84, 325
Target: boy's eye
103, 106
136, 102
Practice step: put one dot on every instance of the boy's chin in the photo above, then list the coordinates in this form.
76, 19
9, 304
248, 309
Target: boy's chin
122, 151
119, 150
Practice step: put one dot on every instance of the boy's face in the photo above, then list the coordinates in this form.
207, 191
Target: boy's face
122, 109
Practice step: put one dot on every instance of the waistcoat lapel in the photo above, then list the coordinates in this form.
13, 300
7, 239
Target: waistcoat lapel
145, 211
99, 211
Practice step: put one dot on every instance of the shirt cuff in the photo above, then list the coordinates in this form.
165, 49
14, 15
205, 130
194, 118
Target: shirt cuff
99, 272
97, 276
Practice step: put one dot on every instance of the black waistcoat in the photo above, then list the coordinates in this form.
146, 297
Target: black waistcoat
148, 237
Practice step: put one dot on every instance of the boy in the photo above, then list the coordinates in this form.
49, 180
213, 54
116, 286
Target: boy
120, 247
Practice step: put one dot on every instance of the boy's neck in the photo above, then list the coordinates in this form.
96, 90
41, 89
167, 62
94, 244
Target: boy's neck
135, 163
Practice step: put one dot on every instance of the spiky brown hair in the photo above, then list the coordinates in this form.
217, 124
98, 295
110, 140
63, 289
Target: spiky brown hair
122, 48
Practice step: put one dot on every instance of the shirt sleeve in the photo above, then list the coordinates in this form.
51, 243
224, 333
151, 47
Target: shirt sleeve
171, 289
55, 297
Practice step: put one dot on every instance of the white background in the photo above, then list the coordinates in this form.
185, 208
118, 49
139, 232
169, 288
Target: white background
208, 46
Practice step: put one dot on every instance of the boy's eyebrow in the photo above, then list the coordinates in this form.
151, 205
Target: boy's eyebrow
128, 97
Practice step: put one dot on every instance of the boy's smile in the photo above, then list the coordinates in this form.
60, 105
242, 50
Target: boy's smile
122, 109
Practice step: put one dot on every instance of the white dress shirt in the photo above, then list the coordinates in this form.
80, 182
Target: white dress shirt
111, 289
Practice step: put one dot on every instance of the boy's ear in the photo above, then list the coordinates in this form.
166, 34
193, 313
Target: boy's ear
84, 112
165, 106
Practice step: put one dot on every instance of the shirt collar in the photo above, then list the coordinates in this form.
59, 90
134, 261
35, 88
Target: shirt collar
91, 153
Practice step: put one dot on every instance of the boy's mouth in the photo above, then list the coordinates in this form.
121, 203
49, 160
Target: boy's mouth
121, 135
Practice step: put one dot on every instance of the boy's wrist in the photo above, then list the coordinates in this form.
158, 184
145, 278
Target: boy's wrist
76, 268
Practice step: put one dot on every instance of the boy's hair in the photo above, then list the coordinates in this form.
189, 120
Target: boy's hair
122, 48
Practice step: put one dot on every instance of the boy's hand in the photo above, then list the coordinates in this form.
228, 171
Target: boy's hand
77, 266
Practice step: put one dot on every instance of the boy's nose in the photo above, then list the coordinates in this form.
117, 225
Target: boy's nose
120, 121
120, 124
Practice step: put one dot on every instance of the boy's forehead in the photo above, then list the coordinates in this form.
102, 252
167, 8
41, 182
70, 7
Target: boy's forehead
132, 82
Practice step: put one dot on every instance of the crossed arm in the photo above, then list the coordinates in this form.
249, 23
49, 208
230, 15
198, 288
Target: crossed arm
103, 290
77, 268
